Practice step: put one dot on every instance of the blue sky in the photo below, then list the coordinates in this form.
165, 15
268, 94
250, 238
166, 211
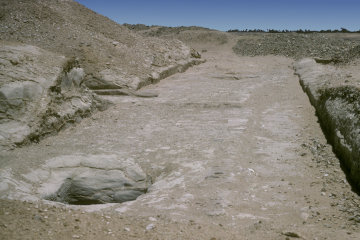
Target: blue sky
232, 14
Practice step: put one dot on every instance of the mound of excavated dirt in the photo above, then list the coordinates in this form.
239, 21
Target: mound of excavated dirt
294, 45
107, 51
190, 35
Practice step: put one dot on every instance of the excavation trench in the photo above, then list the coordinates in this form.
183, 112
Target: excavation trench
338, 111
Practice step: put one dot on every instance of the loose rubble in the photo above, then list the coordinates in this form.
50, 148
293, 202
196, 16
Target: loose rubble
299, 45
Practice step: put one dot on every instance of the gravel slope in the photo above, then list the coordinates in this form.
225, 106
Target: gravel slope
295, 45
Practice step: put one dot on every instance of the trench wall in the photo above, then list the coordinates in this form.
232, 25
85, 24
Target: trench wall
338, 110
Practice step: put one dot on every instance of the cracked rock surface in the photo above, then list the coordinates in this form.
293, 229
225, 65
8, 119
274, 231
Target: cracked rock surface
40, 92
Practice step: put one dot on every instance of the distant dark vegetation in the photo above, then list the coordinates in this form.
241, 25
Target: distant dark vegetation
342, 30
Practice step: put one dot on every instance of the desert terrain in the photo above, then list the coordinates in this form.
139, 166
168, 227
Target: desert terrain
134, 132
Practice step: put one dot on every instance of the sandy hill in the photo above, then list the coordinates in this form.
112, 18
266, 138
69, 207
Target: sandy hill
106, 50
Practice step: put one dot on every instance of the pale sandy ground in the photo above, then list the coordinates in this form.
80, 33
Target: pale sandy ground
235, 152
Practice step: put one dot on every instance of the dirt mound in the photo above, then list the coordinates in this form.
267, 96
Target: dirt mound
163, 29
294, 45
190, 35
107, 51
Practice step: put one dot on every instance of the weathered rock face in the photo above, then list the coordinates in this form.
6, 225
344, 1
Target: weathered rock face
39, 93
338, 109
27, 72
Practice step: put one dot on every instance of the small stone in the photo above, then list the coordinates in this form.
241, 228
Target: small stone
127, 229
150, 227
152, 219
76, 236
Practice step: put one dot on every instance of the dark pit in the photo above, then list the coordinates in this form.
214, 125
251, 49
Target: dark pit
99, 189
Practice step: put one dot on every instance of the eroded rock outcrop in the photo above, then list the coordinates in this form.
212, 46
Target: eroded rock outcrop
338, 108
40, 92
